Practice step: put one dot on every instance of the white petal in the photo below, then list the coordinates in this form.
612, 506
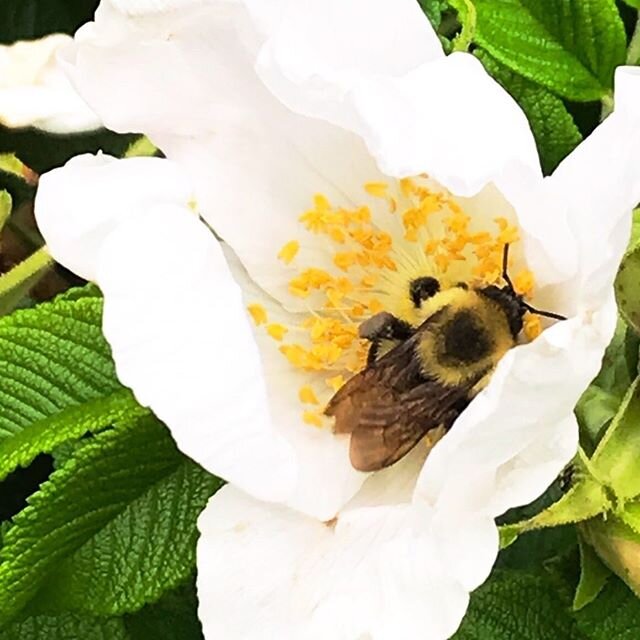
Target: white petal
34, 90
598, 185
183, 69
267, 573
177, 325
518, 434
449, 119
319, 50
266, 173
79, 204
325, 479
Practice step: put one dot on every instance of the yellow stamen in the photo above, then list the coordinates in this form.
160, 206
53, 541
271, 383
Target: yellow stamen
289, 251
532, 326
312, 418
277, 331
307, 395
376, 189
258, 313
335, 383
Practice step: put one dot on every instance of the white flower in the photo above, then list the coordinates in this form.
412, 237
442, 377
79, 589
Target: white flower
34, 91
361, 106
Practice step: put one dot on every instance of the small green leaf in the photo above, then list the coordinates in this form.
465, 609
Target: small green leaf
569, 46
627, 287
593, 576
615, 461
585, 499
553, 127
67, 626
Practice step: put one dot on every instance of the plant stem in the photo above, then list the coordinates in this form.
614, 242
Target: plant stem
633, 52
465, 38
16, 283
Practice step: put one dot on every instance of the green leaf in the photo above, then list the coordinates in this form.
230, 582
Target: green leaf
615, 461
569, 46
633, 3
615, 615
65, 627
553, 127
54, 362
517, 606
593, 576
627, 288
110, 531
171, 618
70, 424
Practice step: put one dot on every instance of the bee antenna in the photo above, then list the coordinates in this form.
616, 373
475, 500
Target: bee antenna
505, 267
545, 314
528, 307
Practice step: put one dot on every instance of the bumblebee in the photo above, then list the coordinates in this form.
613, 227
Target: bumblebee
422, 378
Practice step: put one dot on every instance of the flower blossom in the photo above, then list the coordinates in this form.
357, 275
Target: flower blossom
34, 91
338, 155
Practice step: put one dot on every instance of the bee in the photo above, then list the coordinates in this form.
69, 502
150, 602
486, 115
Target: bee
420, 378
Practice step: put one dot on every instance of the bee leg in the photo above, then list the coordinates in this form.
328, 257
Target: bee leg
384, 331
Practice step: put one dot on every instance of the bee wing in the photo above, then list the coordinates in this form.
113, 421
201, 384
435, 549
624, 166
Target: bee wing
390, 406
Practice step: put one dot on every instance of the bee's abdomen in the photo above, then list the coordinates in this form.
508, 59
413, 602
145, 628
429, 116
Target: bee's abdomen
465, 340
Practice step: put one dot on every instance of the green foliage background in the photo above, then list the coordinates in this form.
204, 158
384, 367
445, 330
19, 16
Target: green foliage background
98, 508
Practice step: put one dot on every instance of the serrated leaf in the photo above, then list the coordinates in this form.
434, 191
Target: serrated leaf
45, 435
628, 290
515, 605
568, 46
553, 127
433, 10
52, 357
593, 576
66, 627
144, 551
615, 615
57, 377
131, 476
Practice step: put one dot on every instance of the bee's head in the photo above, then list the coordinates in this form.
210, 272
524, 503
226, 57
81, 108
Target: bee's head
512, 302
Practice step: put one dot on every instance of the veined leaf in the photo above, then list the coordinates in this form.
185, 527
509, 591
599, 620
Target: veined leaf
66, 627
569, 46
553, 127
58, 380
111, 530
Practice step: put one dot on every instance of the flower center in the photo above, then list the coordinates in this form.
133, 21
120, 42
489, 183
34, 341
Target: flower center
392, 257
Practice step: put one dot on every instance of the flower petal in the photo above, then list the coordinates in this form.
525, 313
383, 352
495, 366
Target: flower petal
34, 91
181, 340
317, 492
319, 50
267, 572
598, 184
79, 204
449, 119
267, 174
